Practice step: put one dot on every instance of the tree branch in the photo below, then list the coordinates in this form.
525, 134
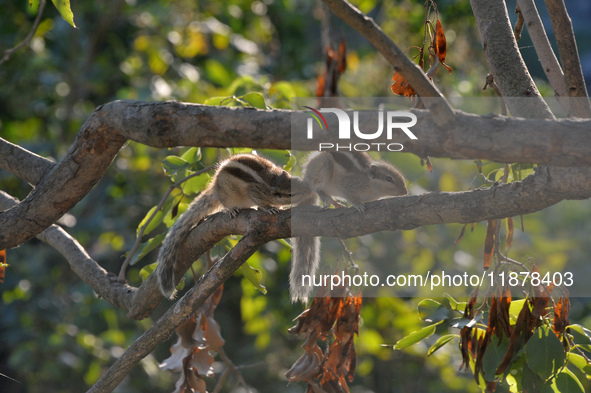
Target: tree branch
168, 124
395, 56
505, 61
118, 294
534, 193
253, 239
569, 55
546, 55
23, 163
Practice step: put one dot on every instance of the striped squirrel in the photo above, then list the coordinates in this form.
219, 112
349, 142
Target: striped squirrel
355, 177
241, 181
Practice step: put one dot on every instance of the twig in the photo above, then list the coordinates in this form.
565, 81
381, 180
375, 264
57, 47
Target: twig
234, 369
518, 28
395, 56
29, 37
121, 276
569, 55
546, 55
490, 81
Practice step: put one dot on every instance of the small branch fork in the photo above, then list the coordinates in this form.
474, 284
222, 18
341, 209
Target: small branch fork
9, 52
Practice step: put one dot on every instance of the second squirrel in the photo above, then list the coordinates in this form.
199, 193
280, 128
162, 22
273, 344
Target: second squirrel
355, 177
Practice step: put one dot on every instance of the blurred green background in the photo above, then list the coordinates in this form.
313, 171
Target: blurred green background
56, 336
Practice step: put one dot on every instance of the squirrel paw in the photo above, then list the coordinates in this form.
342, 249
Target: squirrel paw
272, 210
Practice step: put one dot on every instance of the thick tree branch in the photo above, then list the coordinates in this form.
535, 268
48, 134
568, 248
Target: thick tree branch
395, 56
535, 193
546, 55
168, 124
505, 61
116, 293
253, 239
22, 163
569, 55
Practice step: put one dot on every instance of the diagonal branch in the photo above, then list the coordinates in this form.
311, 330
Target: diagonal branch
546, 55
118, 294
23, 163
395, 56
505, 61
569, 55
253, 239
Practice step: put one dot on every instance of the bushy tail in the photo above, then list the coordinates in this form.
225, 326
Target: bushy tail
206, 203
304, 261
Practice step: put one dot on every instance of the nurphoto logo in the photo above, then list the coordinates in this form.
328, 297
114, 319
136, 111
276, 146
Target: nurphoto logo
391, 118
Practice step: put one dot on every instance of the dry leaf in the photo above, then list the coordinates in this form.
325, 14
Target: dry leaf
509, 238
489, 243
440, 45
401, 87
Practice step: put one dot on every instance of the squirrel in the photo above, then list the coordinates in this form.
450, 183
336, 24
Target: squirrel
241, 181
353, 176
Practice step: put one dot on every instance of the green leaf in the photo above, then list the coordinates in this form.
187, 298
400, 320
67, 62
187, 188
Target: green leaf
169, 220
63, 6
514, 309
192, 155
254, 99
567, 382
157, 220
581, 336
544, 353
441, 342
283, 90
493, 356
459, 323
579, 362
147, 270
432, 311
531, 382
174, 164
285, 243
196, 184
416, 336
254, 276
217, 101
453, 303
145, 248
217, 72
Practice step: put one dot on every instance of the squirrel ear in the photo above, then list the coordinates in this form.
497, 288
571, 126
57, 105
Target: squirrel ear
373, 170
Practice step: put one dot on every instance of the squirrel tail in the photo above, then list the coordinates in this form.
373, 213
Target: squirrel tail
205, 204
305, 260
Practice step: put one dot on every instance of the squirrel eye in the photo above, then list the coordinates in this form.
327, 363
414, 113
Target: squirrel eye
389, 179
